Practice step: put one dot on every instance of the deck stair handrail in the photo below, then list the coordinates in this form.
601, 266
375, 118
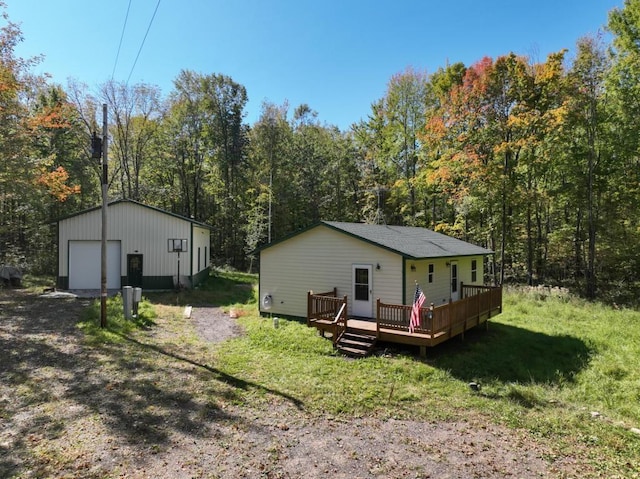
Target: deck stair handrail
340, 322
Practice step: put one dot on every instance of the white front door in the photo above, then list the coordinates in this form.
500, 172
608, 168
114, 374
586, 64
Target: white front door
362, 303
455, 286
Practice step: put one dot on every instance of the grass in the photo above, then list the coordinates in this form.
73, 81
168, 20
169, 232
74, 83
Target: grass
560, 368
36, 283
117, 324
225, 288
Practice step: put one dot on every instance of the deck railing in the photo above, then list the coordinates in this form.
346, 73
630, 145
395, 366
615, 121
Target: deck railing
328, 313
328, 309
322, 305
490, 297
477, 302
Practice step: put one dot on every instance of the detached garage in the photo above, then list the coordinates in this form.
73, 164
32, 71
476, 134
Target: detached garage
147, 247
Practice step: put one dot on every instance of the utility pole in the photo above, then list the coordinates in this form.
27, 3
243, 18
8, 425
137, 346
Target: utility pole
270, 199
105, 199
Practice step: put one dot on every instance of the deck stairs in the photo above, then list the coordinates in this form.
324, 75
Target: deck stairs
355, 344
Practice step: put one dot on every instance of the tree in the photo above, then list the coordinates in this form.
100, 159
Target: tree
270, 145
207, 144
618, 259
390, 139
17, 167
589, 148
135, 112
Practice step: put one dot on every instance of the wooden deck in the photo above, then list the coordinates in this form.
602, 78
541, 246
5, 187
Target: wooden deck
327, 313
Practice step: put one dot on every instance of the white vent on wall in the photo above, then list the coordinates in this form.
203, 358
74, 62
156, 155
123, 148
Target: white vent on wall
267, 302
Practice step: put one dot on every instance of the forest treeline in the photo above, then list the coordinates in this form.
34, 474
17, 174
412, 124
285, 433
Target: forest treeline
537, 160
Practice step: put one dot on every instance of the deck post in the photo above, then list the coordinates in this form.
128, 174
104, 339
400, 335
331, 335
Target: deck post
309, 293
430, 316
450, 317
490, 302
423, 351
464, 325
486, 326
378, 318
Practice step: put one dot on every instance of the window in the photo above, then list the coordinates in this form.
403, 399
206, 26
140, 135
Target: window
198, 258
206, 259
474, 270
362, 284
454, 277
431, 273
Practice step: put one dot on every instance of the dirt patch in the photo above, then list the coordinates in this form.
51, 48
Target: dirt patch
152, 406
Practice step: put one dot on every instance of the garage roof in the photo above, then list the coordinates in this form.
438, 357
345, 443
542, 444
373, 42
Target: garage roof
112, 203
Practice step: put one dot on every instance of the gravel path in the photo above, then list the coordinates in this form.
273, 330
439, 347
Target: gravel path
213, 325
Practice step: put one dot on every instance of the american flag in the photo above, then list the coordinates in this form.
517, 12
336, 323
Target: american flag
418, 299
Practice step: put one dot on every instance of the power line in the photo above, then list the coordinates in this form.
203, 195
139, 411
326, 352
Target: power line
121, 37
143, 40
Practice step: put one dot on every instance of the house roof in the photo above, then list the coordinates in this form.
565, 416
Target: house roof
409, 241
115, 202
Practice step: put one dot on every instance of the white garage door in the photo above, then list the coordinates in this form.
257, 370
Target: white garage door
84, 264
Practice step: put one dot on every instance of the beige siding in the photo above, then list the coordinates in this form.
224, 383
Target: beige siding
140, 230
319, 260
201, 241
438, 292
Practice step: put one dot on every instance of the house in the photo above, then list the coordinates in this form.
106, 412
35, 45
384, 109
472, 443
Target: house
366, 262
146, 247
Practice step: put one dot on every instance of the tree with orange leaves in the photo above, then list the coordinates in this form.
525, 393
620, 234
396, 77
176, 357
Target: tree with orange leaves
55, 183
485, 154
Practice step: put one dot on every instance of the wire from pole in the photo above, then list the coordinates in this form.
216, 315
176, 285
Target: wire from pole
143, 40
124, 26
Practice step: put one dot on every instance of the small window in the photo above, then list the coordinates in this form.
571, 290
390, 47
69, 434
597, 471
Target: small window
198, 258
361, 284
474, 270
206, 258
431, 273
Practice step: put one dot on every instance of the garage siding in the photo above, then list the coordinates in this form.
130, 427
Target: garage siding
140, 230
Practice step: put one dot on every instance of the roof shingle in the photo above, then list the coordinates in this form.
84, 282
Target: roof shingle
409, 241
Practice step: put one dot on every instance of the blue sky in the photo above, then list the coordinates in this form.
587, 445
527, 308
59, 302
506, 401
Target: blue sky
335, 55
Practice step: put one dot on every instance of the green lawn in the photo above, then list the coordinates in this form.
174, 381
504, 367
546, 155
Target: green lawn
563, 369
